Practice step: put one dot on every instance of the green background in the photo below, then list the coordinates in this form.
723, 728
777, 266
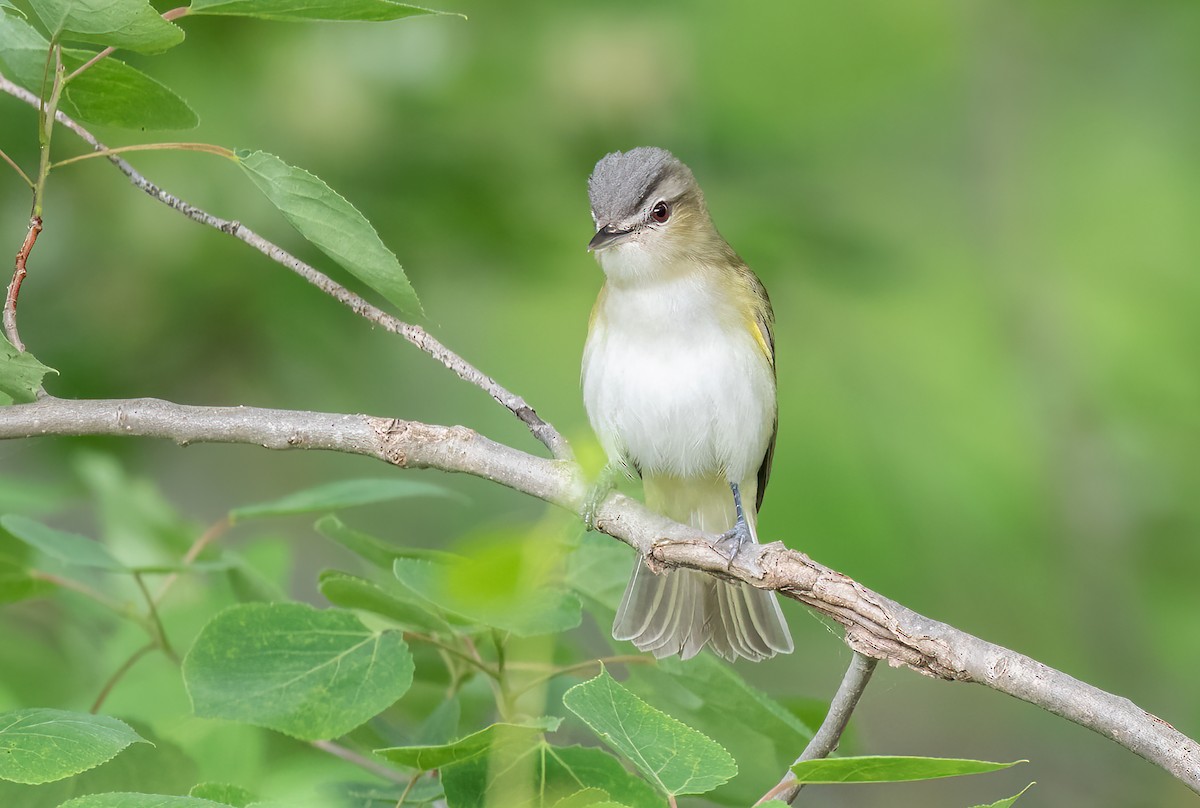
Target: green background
977, 223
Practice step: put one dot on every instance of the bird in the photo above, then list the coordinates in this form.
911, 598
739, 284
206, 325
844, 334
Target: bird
679, 385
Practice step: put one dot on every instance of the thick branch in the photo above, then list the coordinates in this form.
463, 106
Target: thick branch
875, 626
541, 429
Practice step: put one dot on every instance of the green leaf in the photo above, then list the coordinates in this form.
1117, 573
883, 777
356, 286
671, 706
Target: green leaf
885, 769
287, 666
587, 798
672, 755
110, 93
129, 24
7, 4
131, 800
20, 373
371, 548
1007, 803
541, 775
427, 758
223, 793
69, 548
332, 224
341, 494
352, 592
40, 745
301, 10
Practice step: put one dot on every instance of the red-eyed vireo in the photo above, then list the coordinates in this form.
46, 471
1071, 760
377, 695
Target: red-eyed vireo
679, 385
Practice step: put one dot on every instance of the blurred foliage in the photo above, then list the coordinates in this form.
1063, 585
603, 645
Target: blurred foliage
976, 224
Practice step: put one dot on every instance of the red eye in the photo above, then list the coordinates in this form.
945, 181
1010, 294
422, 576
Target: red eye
660, 212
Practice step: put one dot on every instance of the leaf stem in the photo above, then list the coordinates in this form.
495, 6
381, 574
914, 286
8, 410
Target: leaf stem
627, 659
16, 168
362, 761
214, 532
115, 606
120, 674
173, 14
159, 632
404, 794
209, 148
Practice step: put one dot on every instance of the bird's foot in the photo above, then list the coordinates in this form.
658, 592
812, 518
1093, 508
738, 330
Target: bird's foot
730, 543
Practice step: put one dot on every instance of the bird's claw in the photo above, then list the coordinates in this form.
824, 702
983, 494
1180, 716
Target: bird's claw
729, 544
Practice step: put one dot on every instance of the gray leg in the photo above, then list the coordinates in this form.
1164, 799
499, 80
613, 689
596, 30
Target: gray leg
732, 540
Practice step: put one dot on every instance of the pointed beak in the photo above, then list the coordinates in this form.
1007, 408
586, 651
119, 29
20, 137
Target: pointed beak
607, 236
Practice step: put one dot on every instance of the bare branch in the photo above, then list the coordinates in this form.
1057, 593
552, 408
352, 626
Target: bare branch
875, 626
541, 429
826, 739
14, 286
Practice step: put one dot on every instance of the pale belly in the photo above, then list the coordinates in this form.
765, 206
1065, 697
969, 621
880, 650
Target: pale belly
685, 405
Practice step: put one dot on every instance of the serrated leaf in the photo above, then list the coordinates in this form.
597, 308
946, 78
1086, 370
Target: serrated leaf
670, 754
372, 548
161, 768
308, 673
331, 223
301, 10
224, 793
21, 373
341, 494
760, 734
889, 769
1007, 803
427, 758
132, 800
41, 745
540, 775
130, 24
69, 548
352, 592
110, 93
476, 591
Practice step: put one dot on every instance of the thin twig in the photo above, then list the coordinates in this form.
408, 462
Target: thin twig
875, 625
119, 674
14, 286
362, 761
160, 631
541, 429
830, 732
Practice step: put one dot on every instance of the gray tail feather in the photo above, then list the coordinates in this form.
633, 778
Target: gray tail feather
679, 612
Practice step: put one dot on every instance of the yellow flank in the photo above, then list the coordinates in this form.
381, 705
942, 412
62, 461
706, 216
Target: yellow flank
755, 327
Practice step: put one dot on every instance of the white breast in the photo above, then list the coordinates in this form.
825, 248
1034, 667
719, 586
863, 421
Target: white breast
675, 382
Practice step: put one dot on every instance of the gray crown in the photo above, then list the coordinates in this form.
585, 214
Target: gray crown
621, 181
